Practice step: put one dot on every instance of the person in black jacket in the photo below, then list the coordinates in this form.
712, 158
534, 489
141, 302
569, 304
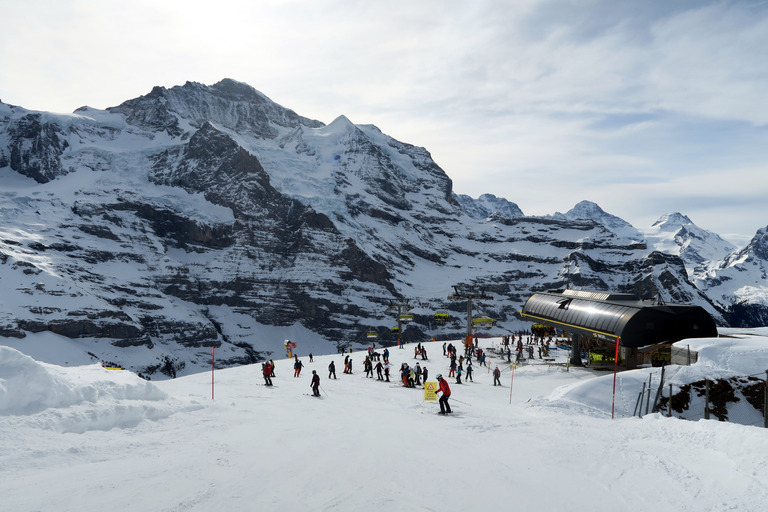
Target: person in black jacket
315, 383
332, 370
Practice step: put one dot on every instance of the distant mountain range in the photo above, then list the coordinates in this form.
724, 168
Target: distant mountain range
201, 216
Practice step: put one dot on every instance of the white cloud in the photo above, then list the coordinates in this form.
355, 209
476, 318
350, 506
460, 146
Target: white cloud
547, 102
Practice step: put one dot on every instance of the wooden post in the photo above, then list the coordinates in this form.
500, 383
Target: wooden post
706, 400
639, 410
648, 399
670, 400
765, 403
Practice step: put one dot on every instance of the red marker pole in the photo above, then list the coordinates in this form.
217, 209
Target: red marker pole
615, 370
213, 352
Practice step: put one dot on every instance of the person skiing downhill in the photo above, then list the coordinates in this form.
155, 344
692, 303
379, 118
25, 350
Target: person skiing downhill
315, 385
297, 366
496, 375
332, 370
267, 372
445, 408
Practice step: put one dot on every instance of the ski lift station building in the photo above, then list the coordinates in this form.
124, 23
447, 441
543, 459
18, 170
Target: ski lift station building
609, 317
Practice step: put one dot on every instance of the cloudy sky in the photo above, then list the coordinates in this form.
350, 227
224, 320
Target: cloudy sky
644, 107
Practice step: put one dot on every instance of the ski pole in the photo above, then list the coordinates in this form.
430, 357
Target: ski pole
465, 403
323, 390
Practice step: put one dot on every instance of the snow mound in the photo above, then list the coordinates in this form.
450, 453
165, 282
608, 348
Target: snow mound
76, 399
718, 358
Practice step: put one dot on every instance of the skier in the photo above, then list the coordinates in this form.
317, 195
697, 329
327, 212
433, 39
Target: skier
297, 366
368, 366
496, 375
386, 355
310, 357
445, 408
469, 370
332, 370
425, 374
272, 364
458, 375
266, 370
417, 371
315, 383
386, 371
404, 371
379, 367
423, 353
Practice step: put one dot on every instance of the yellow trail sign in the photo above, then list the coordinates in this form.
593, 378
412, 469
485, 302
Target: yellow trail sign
430, 391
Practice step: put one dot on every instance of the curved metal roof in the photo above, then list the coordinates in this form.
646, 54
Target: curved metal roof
609, 316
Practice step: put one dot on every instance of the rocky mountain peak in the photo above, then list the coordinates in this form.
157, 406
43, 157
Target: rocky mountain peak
757, 247
591, 211
487, 205
228, 103
672, 221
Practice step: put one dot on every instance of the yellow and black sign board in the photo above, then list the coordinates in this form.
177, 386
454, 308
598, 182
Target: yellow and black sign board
430, 391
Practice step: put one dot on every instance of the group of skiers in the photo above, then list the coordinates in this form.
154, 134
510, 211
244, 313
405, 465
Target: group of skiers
543, 347
410, 376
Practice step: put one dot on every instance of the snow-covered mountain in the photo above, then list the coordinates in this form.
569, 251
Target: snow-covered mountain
675, 233
591, 211
487, 205
738, 284
201, 216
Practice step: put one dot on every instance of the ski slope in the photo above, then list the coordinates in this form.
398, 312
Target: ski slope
83, 438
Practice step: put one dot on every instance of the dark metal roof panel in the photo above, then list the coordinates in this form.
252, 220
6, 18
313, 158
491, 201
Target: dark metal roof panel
637, 323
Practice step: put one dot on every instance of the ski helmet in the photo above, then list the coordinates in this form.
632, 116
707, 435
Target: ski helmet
439, 375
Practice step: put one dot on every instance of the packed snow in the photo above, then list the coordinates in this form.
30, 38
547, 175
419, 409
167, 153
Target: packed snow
79, 437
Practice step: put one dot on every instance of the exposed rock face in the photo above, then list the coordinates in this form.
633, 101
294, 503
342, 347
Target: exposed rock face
488, 205
194, 216
737, 284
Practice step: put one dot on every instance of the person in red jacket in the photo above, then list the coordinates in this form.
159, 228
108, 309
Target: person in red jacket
267, 372
445, 408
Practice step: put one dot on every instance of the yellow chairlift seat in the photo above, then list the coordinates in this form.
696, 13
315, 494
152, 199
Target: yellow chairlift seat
482, 322
442, 316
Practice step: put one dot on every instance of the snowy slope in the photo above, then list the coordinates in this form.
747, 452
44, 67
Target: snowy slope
85, 438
